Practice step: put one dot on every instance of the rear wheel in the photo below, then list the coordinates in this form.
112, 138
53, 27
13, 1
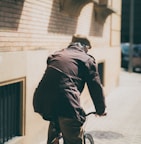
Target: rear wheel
88, 139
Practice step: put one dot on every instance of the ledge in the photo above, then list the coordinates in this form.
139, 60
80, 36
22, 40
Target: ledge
102, 11
73, 7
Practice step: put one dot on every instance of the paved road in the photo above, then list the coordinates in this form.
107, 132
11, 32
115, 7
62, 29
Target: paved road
122, 125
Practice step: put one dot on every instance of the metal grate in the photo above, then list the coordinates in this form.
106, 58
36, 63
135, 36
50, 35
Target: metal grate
10, 108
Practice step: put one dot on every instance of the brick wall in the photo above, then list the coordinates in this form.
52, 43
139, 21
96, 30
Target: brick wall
34, 24
39, 24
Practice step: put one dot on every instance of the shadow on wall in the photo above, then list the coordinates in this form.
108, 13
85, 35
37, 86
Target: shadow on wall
60, 22
96, 28
101, 11
10, 13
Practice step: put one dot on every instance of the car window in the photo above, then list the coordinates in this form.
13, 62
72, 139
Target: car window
125, 48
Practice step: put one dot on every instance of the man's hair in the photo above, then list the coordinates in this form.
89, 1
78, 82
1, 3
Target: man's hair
82, 39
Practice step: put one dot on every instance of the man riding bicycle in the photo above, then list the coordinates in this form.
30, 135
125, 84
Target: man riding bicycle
57, 97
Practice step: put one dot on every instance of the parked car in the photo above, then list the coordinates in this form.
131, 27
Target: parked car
136, 56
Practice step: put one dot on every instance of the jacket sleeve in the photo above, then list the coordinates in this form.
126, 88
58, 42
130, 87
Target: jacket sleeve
95, 86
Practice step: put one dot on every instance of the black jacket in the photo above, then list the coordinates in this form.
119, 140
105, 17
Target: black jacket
58, 93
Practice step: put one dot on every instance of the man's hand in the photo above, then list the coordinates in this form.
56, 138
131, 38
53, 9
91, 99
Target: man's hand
103, 114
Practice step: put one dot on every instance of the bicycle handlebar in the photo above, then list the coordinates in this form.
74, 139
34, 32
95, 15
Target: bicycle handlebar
90, 113
95, 114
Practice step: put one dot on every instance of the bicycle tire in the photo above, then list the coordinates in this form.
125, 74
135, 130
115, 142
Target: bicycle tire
88, 139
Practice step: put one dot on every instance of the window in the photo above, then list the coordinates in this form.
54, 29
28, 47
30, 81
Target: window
11, 109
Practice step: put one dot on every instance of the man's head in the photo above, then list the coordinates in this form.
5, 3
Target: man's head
82, 39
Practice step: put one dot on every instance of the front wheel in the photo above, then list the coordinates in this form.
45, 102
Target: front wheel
88, 139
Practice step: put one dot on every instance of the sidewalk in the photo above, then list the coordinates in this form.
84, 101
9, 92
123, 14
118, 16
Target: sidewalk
122, 125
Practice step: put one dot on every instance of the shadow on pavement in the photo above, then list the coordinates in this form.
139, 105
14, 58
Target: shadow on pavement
106, 135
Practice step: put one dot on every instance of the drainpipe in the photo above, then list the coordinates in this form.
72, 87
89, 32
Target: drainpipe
131, 36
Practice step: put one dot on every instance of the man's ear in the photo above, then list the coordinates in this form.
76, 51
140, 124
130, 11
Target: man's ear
86, 48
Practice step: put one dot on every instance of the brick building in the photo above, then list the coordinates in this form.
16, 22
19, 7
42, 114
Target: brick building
32, 29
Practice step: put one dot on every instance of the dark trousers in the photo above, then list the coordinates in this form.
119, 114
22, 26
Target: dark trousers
71, 130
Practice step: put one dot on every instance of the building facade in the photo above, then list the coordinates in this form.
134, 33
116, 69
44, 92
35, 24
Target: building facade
32, 29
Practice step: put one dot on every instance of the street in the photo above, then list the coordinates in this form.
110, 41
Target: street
122, 125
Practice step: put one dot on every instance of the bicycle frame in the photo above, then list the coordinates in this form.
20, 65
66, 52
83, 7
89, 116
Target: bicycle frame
85, 135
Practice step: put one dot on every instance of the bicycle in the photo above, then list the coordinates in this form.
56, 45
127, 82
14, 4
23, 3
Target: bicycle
88, 139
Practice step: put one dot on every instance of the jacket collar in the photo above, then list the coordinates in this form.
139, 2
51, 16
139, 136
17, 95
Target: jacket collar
76, 46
